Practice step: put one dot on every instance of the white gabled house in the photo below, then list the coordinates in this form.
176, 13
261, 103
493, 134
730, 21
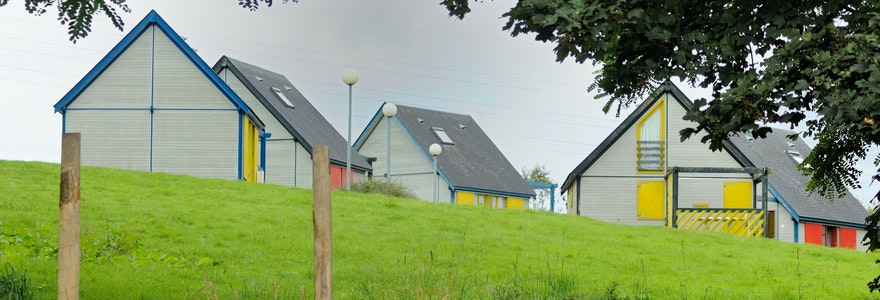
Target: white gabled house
627, 180
294, 126
471, 169
152, 104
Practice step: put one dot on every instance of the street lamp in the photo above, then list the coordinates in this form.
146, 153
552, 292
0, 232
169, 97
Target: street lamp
435, 151
389, 110
350, 77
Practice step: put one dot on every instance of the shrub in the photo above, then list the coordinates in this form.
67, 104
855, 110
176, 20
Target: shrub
382, 186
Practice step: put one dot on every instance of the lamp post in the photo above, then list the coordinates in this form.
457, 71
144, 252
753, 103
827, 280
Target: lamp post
350, 77
389, 110
435, 151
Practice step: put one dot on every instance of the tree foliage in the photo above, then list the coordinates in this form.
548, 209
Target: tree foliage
538, 173
78, 14
253, 5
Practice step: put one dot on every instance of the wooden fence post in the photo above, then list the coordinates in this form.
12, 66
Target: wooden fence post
68, 219
322, 221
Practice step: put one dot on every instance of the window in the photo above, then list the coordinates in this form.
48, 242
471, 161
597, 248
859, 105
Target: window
490, 201
283, 97
499, 202
651, 143
441, 134
479, 200
796, 156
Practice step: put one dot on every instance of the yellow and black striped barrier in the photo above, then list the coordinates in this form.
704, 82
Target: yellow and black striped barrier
739, 221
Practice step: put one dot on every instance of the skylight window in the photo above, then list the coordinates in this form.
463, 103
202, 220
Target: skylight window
796, 156
283, 97
441, 134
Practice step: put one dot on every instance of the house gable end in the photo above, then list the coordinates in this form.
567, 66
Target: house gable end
150, 20
667, 91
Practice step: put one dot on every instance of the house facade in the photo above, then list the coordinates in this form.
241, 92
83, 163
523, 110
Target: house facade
294, 125
471, 169
151, 104
626, 179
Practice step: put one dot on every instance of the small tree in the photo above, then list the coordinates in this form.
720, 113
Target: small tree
538, 173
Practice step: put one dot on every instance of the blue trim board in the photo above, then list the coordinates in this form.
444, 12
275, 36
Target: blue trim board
493, 192
154, 109
200, 64
833, 223
240, 143
263, 137
153, 70
152, 91
799, 219
105, 62
151, 141
796, 233
370, 127
108, 108
779, 199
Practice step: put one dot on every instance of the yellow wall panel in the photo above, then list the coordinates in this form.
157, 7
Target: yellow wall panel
650, 200
516, 203
464, 198
737, 194
250, 150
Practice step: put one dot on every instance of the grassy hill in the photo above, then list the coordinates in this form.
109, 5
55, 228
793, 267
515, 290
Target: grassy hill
166, 236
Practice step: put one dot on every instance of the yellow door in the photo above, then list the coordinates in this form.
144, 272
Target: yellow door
650, 200
737, 194
250, 152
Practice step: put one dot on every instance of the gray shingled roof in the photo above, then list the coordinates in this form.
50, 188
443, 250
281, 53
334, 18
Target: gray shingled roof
791, 184
303, 121
473, 162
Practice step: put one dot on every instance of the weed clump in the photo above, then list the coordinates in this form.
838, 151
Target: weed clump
14, 284
385, 187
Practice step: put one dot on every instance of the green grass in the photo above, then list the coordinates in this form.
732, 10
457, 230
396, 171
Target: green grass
157, 236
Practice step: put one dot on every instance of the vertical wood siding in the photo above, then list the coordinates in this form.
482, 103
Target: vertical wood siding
114, 139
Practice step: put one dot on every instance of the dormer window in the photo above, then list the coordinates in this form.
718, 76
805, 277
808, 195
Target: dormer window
283, 97
441, 134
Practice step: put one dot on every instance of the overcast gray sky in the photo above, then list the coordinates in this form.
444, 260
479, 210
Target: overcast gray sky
537, 111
